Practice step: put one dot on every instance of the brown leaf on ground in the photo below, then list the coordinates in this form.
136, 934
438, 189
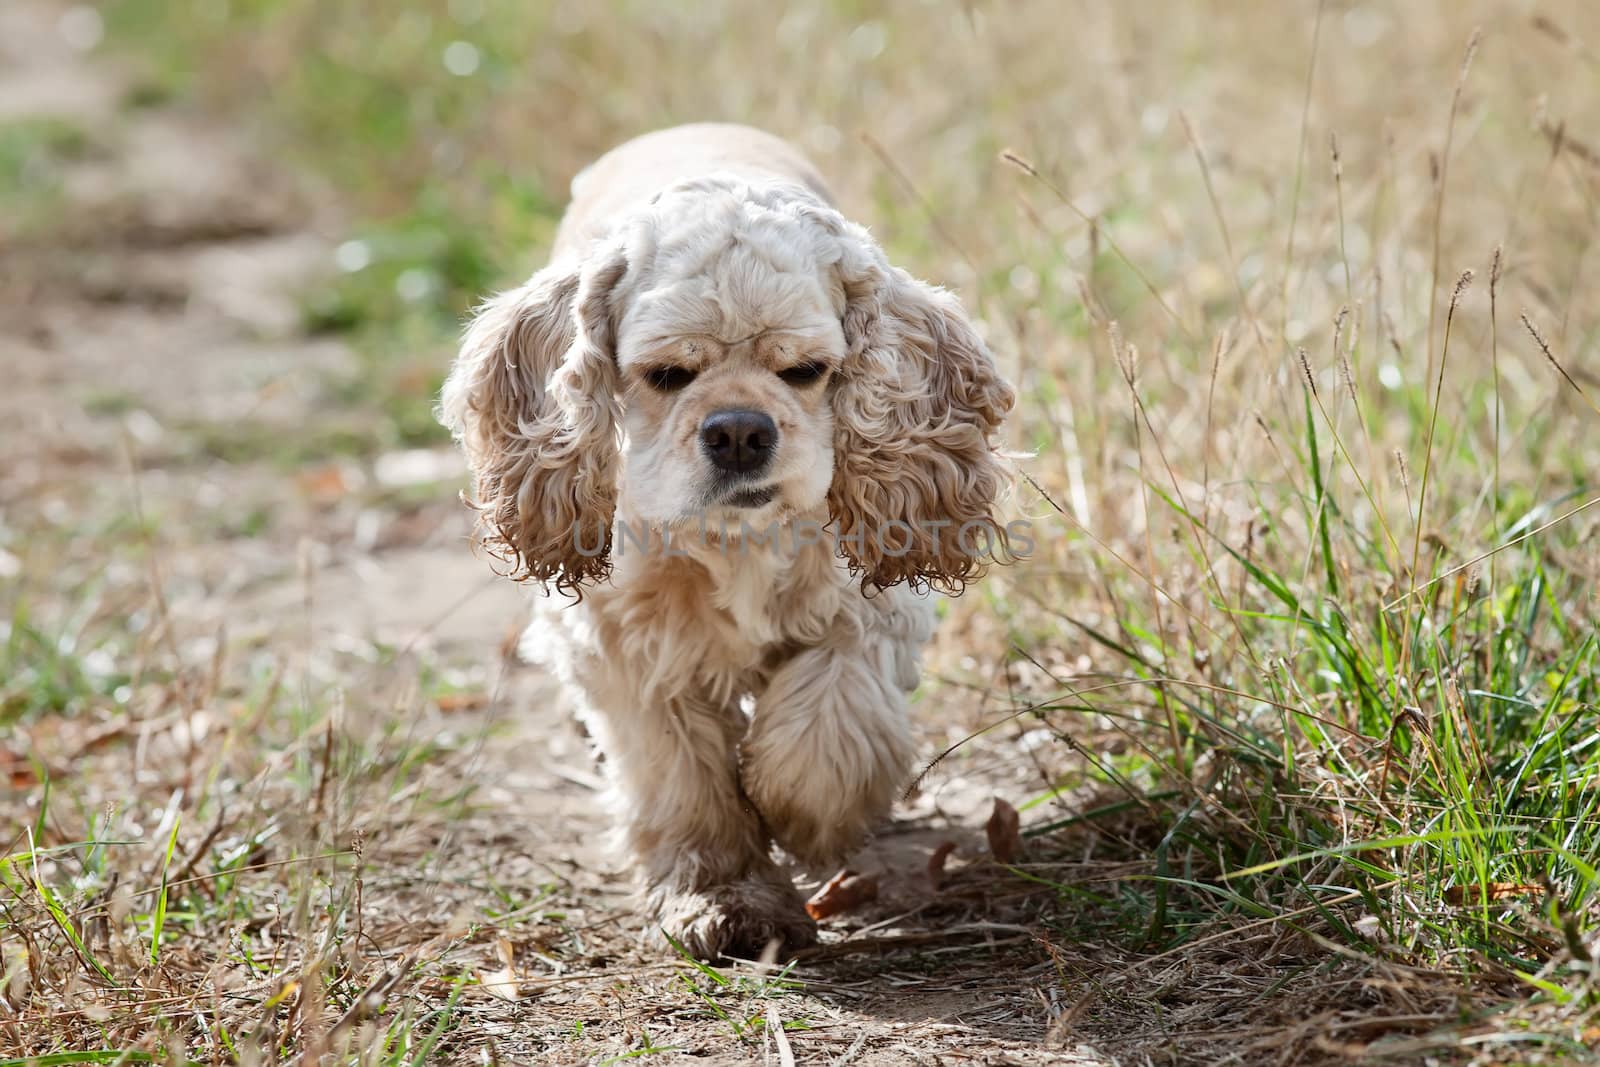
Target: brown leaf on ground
1005, 832
449, 702
1457, 895
843, 892
936, 863
325, 483
18, 771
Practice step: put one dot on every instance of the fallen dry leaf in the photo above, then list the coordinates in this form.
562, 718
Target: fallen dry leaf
501, 984
325, 483
936, 863
1457, 895
1005, 832
21, 772
846, 890
449, 702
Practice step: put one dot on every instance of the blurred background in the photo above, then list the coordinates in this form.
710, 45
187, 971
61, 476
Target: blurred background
1310, 631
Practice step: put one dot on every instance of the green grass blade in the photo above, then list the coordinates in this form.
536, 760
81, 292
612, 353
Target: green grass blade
160, 919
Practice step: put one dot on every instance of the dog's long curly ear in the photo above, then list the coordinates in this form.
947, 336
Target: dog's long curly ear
916, 408
533, 400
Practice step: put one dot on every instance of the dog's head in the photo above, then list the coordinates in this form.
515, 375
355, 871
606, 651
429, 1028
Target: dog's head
739, 352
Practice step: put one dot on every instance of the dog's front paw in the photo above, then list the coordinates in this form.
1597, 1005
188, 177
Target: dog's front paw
818, 842
820, 829
738, 918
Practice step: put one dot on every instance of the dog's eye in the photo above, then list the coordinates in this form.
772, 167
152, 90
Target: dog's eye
804, 373
669, 379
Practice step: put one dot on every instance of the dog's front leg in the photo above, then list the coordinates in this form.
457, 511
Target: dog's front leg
831, 746
697, 842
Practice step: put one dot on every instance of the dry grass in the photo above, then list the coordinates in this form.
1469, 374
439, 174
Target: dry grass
1297, 694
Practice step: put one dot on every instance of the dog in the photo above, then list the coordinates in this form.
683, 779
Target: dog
738, 451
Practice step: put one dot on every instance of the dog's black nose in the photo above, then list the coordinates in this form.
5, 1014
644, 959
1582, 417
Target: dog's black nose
737, 441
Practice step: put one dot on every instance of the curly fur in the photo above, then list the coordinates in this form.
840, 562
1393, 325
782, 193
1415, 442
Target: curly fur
714, 251
533, 400
914, 425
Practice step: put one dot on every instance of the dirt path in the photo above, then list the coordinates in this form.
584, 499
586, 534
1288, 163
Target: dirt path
313, 657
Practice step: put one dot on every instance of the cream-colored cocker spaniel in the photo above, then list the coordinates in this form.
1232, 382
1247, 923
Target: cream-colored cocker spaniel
736, 447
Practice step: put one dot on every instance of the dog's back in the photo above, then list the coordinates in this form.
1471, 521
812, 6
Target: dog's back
636, 170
